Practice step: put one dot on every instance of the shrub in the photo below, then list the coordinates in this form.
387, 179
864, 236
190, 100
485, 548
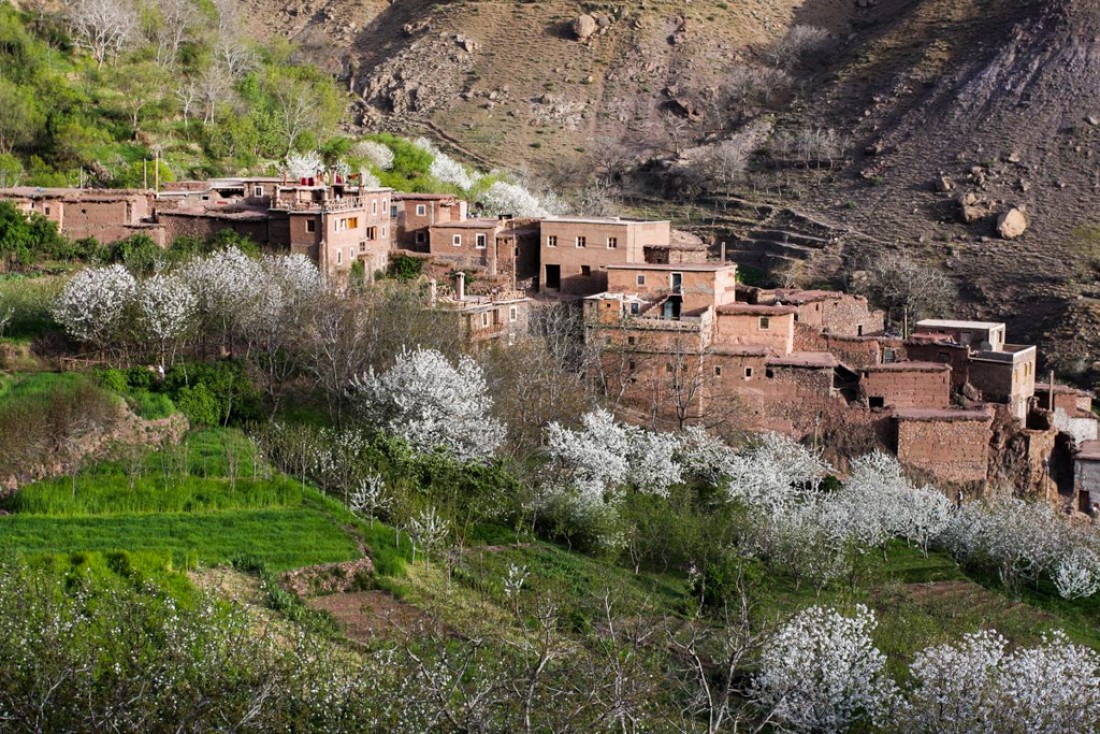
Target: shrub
200, 405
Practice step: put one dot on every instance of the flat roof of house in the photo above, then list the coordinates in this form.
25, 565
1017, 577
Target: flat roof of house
470, 224
603, 220
39, 192
799, 296
909, 367
950, 324
412, 196
814, 360
943, 414
675, 267
1089, 451
750, 309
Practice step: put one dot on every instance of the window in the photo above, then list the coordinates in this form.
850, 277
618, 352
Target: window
769, 374
513, 313
612, 243
676, 280
765, 323
385, 231
374, 207
421, 210
641, 280
372, 233
876, 402
485, 319
889, 355
631, 340
456, 240
551, 241
859, 330
339, 257
668, 367
635, 308
46, 209
480, 241
586, 270
257, 190
630, 365
421, 238
717, 371
351, 223
311, 225
748, 373
393, 211
582, 242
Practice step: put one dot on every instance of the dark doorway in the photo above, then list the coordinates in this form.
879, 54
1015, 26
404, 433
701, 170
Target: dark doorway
553, 276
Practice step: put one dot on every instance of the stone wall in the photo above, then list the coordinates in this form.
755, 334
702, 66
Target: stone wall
952, 446
907, 385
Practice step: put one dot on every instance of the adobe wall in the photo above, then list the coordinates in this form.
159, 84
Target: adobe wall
176, 224
631, 238
854, 351
744, 329
920, 387
699, 289
956, 356
952, 450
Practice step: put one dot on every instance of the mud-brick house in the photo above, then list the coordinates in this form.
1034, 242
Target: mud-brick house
1071, 410
500, 316
109, 215
412, 215
906, 385
498, 246
336, 225
1086, 478
980, 360
574, 252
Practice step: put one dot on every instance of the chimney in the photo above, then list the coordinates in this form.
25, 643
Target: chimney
432, 293
723, 250
460, 285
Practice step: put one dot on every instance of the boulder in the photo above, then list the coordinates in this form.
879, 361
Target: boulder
1011, 224
973, 209
584, 26
944, 184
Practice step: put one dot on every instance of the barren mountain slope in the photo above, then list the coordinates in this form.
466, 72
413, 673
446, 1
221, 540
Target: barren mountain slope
1003, 99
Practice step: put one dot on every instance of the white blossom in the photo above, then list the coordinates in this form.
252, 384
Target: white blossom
432, 404
447, 170
377, 154
303, 165
955, 687
503, 198
227, 285
774, 473
94, 302
167, 306
822, 672
1077, 573
429, 531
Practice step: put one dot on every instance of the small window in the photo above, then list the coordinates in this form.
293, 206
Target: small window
796, 318
393, 211
372, 233
204, 198
586, 270
421, 210
612, 243
480, 241
513, 313
859, 330
46, 209
362, 247
765, 323
485, 319
769, 374
421, 238
374, 207
456, 240
876, 401
630, 365
635, 308
311, 225
351, 223
339, 257
257, 190
384, 232
641, 280
582, 242
668, 367
631, 340
717, 371
748, 373
551, 241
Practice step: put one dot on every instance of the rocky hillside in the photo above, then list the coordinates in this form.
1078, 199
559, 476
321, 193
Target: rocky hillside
934, 101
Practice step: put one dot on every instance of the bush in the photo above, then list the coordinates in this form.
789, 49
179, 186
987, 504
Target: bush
200, 405
404, 267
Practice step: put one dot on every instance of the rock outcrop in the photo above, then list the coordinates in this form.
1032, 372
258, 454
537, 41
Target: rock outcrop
1011, 224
